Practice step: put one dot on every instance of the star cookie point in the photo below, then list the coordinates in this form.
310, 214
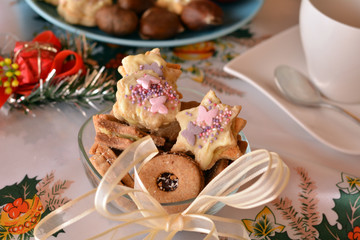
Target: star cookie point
147, 95
207, 130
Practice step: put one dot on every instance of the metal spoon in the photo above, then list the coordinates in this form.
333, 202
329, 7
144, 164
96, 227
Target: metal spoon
298, 88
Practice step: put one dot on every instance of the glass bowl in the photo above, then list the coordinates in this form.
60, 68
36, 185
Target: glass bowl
86, 138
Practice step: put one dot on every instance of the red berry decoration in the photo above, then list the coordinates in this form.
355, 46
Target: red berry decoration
20, 227
27, 224
24, 207
17, 202
8, 207
33, 219
14, 213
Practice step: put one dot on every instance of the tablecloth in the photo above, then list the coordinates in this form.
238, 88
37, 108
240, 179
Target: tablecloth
40, 162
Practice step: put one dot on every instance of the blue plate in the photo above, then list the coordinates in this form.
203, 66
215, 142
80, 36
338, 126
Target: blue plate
236, 15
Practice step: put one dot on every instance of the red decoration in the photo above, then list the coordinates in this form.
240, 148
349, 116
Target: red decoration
33, 61
69, 68
48, 37
355, 234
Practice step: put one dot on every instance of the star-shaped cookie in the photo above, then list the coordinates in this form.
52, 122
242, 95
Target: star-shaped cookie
146, 101
220, 127
150, 61
147, 95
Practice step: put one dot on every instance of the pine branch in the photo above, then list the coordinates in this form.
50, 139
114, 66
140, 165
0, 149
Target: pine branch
56, 202
289, 213
43, 186
80, 90
218, 73
84, 91
60, 186
219, 86
308, 200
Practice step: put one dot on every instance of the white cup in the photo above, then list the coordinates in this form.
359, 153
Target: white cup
330, 34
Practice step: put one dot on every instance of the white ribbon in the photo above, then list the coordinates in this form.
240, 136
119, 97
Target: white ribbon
263, 173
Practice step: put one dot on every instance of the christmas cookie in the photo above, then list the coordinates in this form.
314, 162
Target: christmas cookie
172, 177
81, 12
145, 100
209, 131
119, 135
218, 167
151, 61
171, 131
173, 6
102, 158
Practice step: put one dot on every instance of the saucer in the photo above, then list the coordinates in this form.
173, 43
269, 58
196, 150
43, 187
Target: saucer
256, 67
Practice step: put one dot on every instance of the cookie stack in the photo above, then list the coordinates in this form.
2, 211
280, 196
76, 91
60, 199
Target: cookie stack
196, 141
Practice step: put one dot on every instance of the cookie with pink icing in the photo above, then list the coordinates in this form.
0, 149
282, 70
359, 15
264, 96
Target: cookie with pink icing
207, 131
147, 95
146, 100
150, 61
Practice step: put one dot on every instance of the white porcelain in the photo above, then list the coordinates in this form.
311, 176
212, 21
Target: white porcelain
256, 67
330, 34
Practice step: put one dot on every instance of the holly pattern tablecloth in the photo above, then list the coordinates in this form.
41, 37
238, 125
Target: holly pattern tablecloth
318, 203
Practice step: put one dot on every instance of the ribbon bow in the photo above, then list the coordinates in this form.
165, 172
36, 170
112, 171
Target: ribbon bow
268, 174
33, 62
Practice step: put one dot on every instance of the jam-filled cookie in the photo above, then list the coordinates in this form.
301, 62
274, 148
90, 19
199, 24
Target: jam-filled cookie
209, 131
172, 177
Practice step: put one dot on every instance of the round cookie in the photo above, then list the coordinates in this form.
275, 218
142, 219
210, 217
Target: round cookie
172, 177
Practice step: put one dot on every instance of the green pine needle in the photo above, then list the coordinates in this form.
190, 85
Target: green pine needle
80, 90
